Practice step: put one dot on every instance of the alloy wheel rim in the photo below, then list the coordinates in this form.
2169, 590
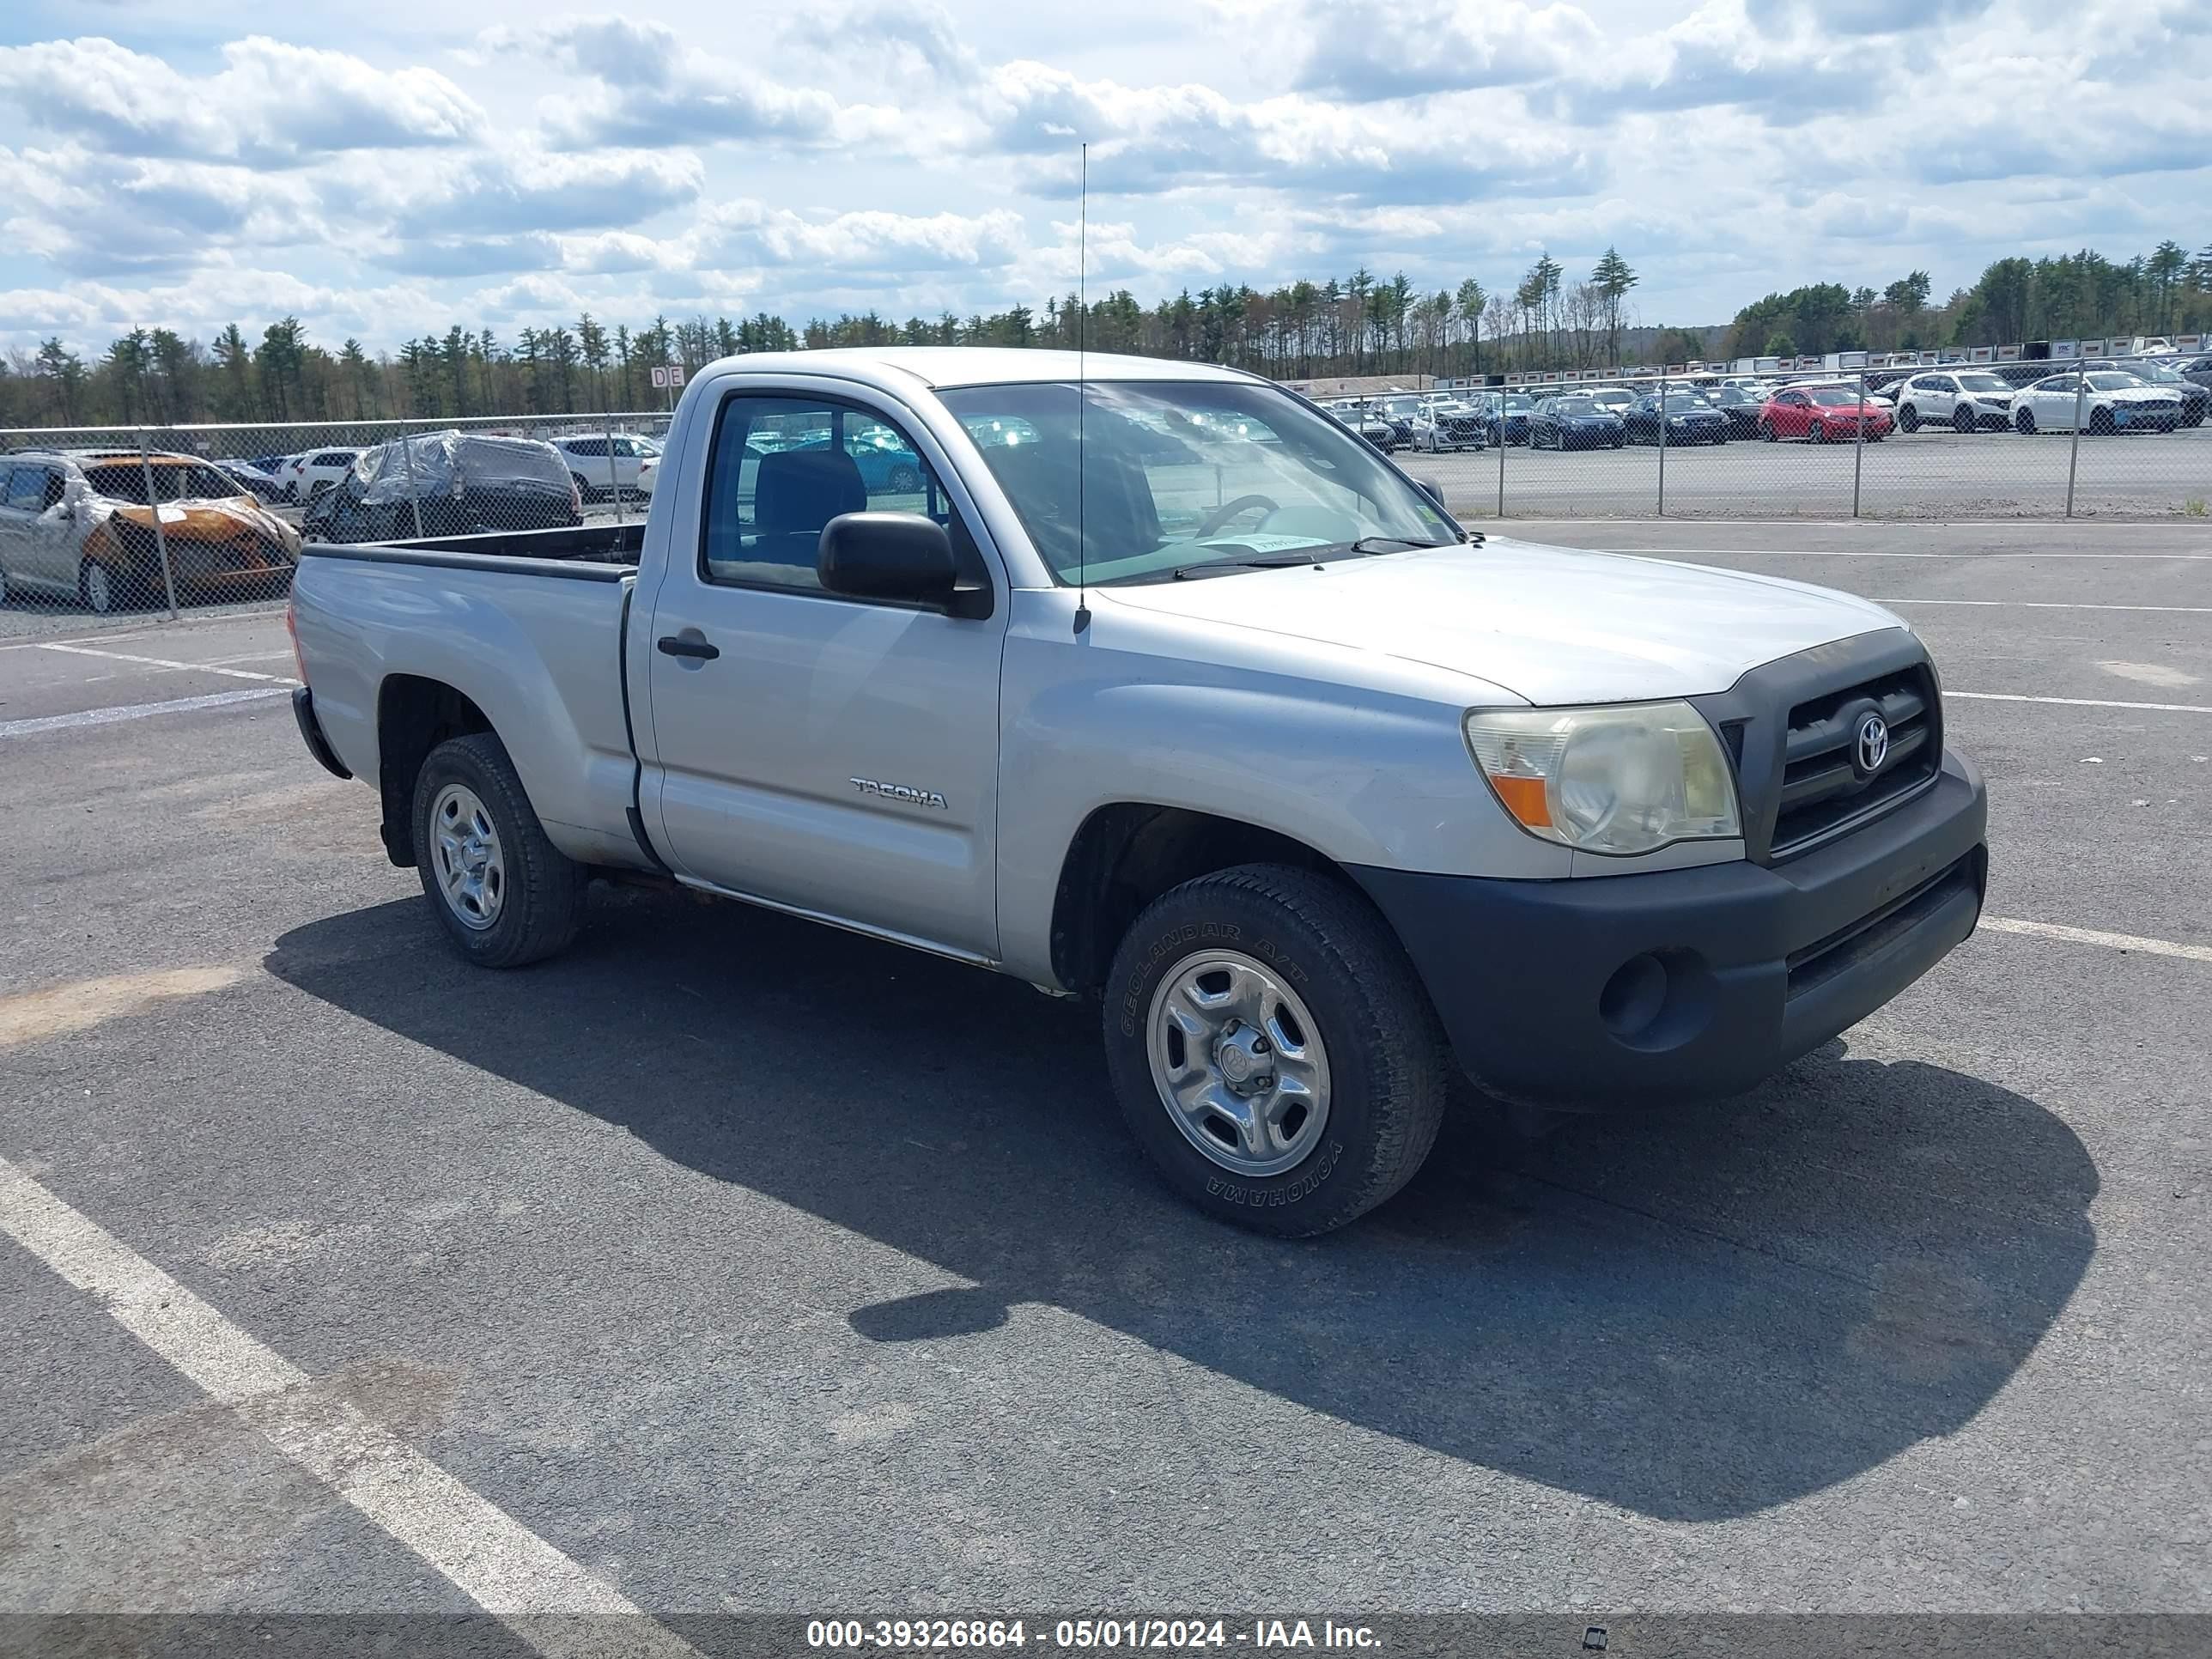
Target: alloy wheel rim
1239, 1063
471, 867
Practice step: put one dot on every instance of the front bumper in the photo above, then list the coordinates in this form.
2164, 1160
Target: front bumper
1607, 991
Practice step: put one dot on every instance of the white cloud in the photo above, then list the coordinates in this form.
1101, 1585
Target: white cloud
1381, 49
272, 105
876, 154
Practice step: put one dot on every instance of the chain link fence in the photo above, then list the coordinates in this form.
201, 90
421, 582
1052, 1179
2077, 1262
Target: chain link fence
2115, 437
99, 520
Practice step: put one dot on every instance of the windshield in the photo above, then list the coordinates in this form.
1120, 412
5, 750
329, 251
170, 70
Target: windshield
1577, 406
1679, 401
1182, 474
1832, 397
172, 481
1982, 383
2113, 381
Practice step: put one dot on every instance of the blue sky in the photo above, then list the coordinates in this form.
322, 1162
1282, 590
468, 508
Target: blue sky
384, 171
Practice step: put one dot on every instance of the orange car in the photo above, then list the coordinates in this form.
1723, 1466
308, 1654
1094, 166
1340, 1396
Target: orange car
77, 524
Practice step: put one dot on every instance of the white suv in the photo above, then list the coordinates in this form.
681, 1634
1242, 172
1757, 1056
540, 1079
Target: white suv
312, 471
1969, 400
606, 463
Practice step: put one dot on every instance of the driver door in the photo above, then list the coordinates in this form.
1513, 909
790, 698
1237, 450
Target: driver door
833, 754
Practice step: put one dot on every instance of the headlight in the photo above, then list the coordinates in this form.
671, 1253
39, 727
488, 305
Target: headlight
1620, 780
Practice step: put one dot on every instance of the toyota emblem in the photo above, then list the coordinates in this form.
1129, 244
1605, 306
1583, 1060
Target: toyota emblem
1873, 743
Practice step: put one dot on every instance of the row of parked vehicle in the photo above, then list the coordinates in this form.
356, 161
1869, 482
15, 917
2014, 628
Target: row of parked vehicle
2102, 397
96, 527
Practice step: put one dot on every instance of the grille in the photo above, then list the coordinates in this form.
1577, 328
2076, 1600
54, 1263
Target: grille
1823, 789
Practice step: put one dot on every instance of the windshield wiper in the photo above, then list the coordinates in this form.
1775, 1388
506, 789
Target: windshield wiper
1374, 545
1268, 562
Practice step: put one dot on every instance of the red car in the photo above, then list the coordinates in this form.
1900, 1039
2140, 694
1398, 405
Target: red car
1822, 414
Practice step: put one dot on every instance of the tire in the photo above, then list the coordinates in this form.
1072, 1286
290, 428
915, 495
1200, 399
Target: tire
1908, 417
1816, 433
1384, 1064
1962, 418
583, 489
2100, 422
539, 892
2024, 421
1619, 439
1767, 434
98, 588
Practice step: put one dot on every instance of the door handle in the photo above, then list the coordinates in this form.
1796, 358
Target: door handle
672, 644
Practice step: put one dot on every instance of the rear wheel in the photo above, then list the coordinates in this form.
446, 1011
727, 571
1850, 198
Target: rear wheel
504, 894
2024, 421
1816, 433
904, 480
1908, 417
1272, 1050
583, 489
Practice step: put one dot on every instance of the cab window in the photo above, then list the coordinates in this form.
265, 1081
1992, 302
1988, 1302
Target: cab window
784, 466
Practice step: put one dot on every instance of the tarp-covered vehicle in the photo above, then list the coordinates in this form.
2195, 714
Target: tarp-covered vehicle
460, 484
78, 524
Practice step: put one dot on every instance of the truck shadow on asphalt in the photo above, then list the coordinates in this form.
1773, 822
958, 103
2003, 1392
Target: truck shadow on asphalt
1693, 1317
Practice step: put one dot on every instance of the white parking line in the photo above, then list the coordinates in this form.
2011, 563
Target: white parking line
137, 711
1869, 553
2061, 604
517, 1576
2153, 947
170, 662
2078, 702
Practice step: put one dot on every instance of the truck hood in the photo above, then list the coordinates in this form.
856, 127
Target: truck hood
1554, 625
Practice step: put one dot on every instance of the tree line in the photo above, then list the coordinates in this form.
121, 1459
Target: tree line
1338, 326
2068, 297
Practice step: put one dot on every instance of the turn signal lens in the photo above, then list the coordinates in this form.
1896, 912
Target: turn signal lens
1621, 780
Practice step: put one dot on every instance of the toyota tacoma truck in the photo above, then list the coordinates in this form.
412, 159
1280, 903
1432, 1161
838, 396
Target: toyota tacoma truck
1150, 683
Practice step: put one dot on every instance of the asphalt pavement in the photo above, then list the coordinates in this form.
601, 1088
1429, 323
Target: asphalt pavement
738, 1264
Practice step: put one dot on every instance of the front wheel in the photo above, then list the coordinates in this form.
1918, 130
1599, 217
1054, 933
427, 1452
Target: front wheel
1908, 417
2024, 421
1766, 432
1272, 1050
2101, 423
504, 893
1962, 418
97, 587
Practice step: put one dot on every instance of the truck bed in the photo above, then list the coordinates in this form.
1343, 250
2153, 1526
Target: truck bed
523, 552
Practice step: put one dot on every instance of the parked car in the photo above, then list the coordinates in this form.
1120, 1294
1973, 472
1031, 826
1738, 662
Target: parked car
1574, 422
1368, 423
1505, 418
2104, 400
1965, 400
308, 474
2197, 370
454, 483
1688, 419
607, 465
1823, 413
1741, 405
1446, 424
2196, 397
77, 525
1144, 753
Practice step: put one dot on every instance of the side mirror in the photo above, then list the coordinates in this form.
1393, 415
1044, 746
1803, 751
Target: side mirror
900, 557
1432, 489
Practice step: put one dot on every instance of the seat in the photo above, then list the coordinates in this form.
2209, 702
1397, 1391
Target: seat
796, 492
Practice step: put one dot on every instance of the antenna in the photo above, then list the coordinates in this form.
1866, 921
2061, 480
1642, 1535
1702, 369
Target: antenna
1082, 338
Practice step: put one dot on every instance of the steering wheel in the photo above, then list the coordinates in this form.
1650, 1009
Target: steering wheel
1222, 514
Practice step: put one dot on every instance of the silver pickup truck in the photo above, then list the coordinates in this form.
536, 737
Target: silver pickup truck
1157, 686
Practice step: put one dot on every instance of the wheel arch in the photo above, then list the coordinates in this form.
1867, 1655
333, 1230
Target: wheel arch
414, 715
1127, 854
